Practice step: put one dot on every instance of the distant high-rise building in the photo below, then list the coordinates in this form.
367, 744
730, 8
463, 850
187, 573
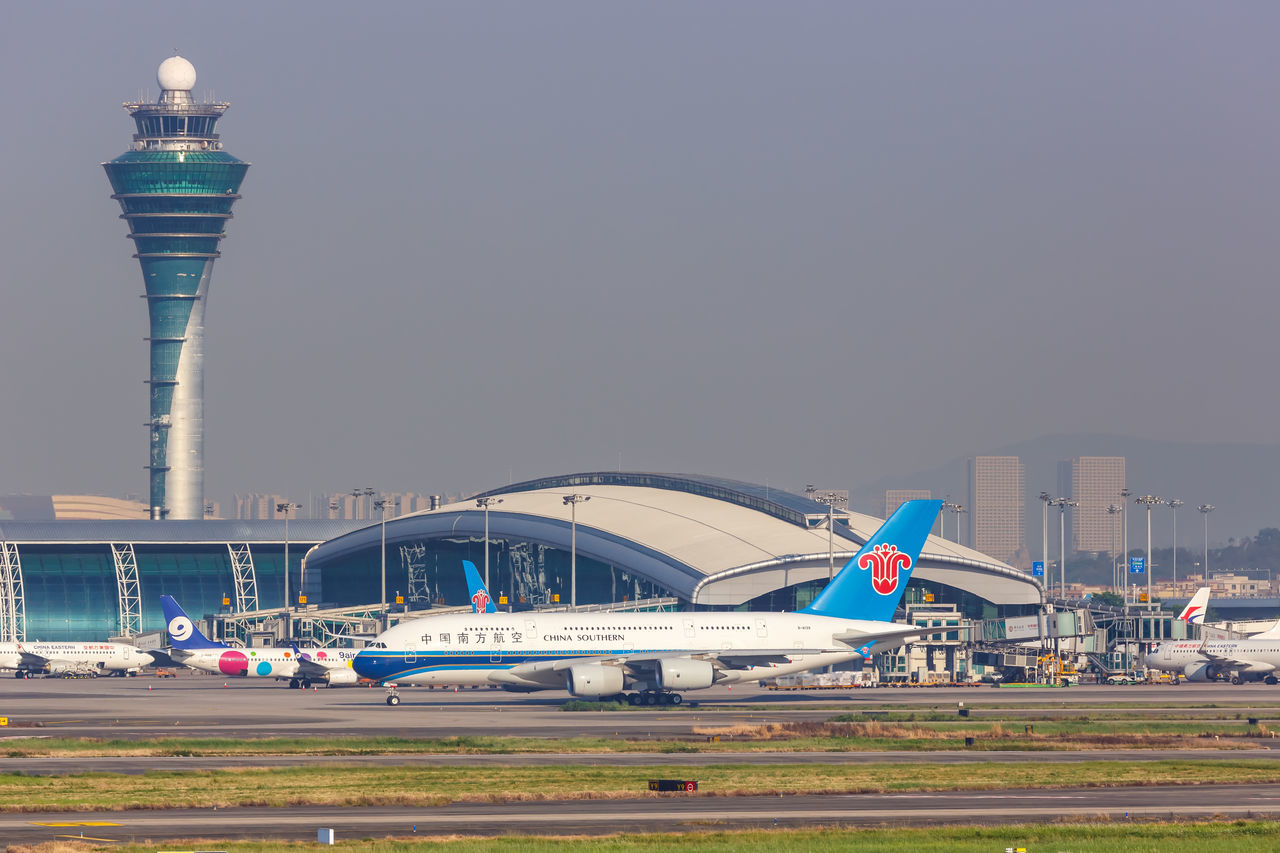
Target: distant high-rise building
260, 506
176, 187
997, 509
1095, 482
894, 498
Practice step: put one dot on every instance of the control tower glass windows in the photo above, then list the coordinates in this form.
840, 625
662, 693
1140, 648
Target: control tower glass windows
176, 125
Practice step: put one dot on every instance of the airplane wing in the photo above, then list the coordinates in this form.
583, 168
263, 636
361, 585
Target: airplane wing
31, 660
1239, 664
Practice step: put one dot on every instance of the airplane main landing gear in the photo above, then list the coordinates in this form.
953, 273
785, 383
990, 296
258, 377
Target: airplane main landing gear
1235, 679
654, 697
1270, 679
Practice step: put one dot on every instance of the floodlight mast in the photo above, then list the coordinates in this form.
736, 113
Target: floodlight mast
572, 501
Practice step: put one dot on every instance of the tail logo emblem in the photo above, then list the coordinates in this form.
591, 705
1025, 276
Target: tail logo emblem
885, 562
180, 628
480, 601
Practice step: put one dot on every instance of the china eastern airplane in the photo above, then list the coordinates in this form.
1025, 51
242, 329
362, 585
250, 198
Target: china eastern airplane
1255, 658
26, 659
599, 655
300, 667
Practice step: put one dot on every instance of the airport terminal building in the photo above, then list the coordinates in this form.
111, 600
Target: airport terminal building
707, 543
641, 539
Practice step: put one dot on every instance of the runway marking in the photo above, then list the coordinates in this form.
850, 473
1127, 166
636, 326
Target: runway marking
86, 838
79, 823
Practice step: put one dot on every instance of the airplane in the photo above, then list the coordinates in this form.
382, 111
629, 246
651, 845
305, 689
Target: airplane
71, 658
598, 655
301, 667
1252, 659
480, 598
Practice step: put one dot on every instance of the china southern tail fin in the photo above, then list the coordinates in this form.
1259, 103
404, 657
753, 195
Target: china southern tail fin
481, 601
871, 584
183, 633
1196, 607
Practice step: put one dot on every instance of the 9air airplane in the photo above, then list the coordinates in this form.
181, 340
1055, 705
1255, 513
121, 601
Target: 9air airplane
600, 655
299, 667
26, 659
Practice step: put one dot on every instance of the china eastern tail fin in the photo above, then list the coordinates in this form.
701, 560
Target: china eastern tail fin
481, 601
1196, 607
183, 633
871, 584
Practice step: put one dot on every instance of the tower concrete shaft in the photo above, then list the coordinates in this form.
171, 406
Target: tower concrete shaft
176, 187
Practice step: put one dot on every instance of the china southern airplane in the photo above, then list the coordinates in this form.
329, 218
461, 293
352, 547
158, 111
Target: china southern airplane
26, 659
300, 667
1255, 658
599, 655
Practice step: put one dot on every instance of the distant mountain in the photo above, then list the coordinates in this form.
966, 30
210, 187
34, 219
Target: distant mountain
1242, 481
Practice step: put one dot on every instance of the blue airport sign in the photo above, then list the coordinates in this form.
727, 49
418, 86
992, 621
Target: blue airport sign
1137, 565
1037, 568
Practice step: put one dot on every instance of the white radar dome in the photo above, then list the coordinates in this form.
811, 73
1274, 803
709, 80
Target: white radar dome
176, 73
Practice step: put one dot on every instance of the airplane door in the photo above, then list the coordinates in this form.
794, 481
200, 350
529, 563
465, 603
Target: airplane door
688, 627
762, 627
411, 653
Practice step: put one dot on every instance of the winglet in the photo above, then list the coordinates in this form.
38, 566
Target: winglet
183, 633
872, 583
481, 601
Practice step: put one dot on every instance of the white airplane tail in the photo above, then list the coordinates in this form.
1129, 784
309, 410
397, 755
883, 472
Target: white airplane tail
1270, 634
1194, 612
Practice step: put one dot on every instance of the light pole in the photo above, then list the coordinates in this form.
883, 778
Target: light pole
365, 493
1062, 504
1206, 509
947, 506
1113, 510
1148, 501
286, 509
381, 506
485, 502
1045, 500
1174, 503
573, 501
956, 509
1124, 525
830, 499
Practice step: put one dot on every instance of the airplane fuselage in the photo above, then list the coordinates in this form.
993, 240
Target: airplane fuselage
72, 657
518, 650
267, 662
1250, 659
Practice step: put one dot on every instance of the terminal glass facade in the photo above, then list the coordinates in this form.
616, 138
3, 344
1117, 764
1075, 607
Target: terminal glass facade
428, 571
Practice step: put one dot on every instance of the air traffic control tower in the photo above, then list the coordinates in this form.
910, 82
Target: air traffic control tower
176, 187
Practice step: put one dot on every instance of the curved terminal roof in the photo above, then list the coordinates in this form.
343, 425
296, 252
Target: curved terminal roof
709, 540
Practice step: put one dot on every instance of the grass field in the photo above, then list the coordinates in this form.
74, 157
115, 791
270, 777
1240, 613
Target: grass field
1233, 837
427, 786
836, 736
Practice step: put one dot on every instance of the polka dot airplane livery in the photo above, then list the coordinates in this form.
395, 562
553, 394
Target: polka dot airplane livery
300, 667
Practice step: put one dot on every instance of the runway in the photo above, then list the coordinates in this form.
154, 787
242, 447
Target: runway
666, 813
199, 706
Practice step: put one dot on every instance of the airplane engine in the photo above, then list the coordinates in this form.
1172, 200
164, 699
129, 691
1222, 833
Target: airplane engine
1200, 671
58, 667
341, 676
683, 674
592, 679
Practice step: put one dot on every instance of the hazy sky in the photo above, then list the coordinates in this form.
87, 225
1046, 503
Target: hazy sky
781, 242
